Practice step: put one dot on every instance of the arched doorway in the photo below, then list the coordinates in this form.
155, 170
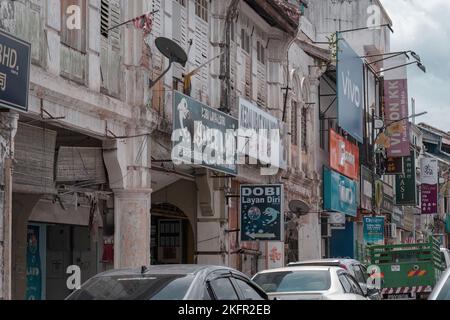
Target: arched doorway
172, 236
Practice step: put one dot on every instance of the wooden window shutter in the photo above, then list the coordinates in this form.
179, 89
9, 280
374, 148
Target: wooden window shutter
73, 38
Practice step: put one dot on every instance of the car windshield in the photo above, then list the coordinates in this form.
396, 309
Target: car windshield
147, 287
444, 294
294, 281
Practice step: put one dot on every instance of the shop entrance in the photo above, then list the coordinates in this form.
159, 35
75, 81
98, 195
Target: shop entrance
172, 238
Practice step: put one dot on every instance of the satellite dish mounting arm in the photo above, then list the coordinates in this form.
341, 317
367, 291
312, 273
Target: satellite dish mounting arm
154, 82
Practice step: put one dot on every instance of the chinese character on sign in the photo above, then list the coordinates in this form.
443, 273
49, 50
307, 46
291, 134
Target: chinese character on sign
2, 81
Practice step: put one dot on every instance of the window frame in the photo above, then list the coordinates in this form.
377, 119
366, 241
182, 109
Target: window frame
65, 32
211, 289
201, 9
240, 291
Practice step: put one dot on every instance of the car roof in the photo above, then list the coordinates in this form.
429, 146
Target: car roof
326, 261
302, 268
175, 269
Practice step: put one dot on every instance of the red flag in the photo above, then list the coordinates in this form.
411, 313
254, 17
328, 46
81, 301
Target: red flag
144, 23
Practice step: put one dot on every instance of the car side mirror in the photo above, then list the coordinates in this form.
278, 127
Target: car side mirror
372, 292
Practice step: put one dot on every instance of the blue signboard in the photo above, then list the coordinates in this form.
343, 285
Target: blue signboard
350, 90
261, 212
342, 243
339, 193
373, 231
15, 59
34, 268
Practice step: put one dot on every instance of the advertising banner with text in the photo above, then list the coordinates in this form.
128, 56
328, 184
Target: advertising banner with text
261, 211
396, 105
339, 193
405, 184
350, 90
429, 187
344, 156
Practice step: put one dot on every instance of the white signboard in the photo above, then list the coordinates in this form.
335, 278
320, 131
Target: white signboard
274, 254
429, 171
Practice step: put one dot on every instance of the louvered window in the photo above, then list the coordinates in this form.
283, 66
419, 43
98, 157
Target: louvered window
260, 52
245, 41
110, 57
201, 9
72, 13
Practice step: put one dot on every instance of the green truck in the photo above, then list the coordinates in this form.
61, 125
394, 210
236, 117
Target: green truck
406, 271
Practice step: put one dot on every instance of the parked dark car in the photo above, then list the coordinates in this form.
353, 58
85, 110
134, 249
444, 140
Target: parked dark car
170, 282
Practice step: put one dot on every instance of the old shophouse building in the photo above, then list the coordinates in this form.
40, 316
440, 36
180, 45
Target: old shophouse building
88, 175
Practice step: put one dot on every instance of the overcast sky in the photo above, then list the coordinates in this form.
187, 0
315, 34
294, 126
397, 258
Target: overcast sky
424, 27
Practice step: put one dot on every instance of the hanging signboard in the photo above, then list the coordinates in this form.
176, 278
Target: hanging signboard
255, 122
203, 136
339, 193
405, 184
396, 105
373, 231
393, 166
15, 62
261, 210
344, 156
429, 187
350, 89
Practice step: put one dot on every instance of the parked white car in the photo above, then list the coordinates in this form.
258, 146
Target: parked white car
309, 283
445, 254
441, 290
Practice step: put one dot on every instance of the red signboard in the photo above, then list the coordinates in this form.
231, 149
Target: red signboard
344, 156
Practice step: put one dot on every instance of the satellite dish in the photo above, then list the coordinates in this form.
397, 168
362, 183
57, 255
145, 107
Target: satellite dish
299, 207
171, 51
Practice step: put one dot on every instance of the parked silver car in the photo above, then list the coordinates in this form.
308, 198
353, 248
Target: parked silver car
441, 290
309, 283
354, 267
445, 255
170, 282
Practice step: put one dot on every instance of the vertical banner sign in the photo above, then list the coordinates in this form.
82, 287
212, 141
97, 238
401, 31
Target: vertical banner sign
339, 193
344, 156
203, 136
261, 210
34, 269
373, 231
405, 184
350, 89
429, 187
396, 105
15, 61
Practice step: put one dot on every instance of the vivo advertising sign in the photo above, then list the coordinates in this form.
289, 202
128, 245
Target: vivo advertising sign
339, 193
350, 90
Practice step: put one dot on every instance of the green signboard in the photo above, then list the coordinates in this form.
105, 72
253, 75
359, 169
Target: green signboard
405, 184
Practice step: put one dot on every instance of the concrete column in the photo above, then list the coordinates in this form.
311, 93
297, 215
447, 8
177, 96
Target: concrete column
131, 228
128, 163
7, 135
